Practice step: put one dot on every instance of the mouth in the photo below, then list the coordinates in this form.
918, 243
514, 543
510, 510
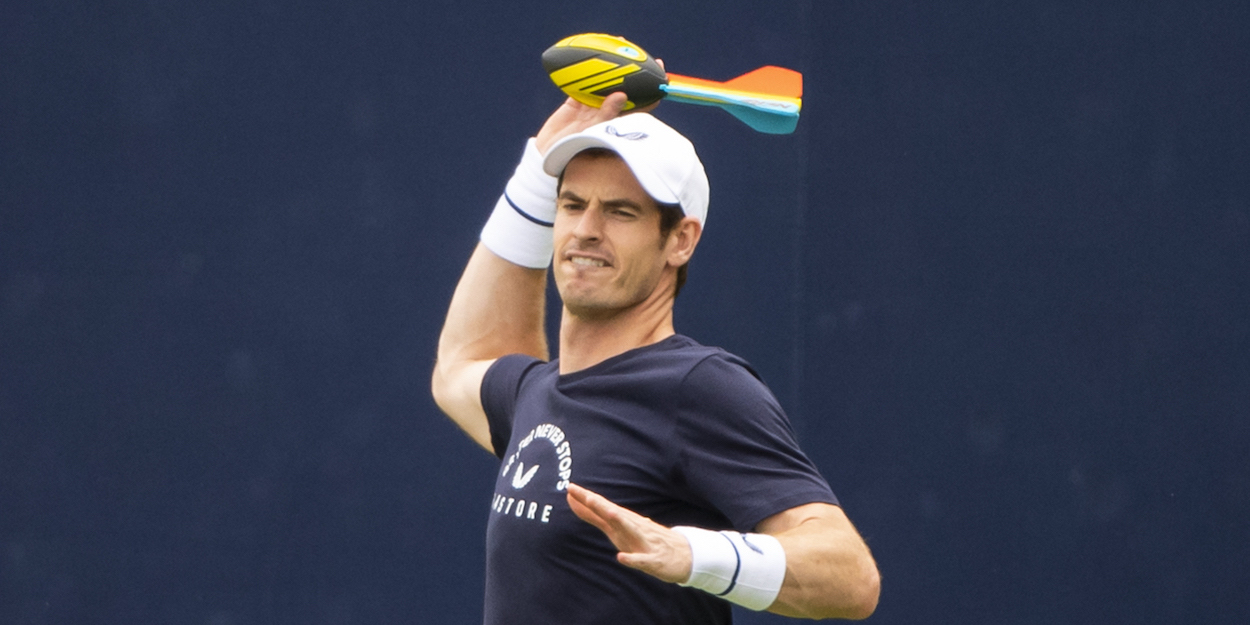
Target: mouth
583, 261
587, 260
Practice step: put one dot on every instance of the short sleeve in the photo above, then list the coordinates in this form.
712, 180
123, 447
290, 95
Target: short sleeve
739, 452
500, 387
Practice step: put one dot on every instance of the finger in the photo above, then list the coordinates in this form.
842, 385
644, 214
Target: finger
635, 560
594, 508
584, 496
642, 543
577, 503
605, 509
625, 528
613, 105
574, 116
649, 564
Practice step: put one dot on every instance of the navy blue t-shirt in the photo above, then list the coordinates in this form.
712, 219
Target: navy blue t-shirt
675, 431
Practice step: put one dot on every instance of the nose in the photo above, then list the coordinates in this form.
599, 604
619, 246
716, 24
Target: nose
589, 226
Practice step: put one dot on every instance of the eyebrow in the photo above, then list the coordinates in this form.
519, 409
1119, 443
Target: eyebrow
614, 203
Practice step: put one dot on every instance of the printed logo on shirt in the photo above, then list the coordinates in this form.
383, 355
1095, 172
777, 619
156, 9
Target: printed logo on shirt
553, 459
519, 480
553, 435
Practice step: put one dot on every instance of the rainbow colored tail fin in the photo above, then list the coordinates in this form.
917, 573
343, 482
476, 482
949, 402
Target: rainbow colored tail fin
768, 99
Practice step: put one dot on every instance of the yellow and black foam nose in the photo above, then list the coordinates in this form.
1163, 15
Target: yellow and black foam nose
590, 66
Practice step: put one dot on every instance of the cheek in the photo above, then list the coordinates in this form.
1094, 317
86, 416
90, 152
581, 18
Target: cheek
559, 231
646, 261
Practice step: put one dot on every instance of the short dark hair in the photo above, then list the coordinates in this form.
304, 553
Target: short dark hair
670, 214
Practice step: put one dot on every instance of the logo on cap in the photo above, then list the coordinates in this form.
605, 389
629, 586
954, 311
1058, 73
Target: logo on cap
632, 136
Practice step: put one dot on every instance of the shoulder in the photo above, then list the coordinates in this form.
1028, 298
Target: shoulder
658, 366
509, 375
722, 395
687, 368
500, 392
718, 374
692, 358
507, 372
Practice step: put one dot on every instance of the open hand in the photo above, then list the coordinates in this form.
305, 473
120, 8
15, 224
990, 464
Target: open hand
644, 544
573, 117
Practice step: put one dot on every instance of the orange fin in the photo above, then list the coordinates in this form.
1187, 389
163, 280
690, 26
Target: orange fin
770, 79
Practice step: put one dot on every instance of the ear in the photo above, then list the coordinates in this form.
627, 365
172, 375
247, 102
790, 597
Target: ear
682, 241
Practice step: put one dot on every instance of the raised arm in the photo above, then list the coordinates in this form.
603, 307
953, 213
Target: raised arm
498, 306
497, 309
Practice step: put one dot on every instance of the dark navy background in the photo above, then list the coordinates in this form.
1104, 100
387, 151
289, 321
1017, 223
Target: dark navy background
999, 278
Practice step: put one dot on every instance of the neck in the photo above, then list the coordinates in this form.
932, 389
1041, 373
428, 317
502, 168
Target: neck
587, 340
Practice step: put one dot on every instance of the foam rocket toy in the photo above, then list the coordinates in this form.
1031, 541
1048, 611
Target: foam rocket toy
590, 66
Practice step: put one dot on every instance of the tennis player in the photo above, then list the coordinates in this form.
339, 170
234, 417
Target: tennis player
644, 478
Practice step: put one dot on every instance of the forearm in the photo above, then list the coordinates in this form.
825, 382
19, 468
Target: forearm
497, 309
830, 572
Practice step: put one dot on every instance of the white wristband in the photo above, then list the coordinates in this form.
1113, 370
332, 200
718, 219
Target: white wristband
519, 229
747, 569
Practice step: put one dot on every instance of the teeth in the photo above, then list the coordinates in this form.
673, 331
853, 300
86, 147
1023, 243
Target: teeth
589, 262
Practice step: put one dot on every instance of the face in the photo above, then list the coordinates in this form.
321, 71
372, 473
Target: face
608, 251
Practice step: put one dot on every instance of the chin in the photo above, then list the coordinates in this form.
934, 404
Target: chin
585, 307
588, 306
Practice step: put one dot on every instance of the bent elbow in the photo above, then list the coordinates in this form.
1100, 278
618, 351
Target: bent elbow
439, 387
865, 595
857, 597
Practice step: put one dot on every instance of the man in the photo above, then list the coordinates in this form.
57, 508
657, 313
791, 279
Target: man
645, 478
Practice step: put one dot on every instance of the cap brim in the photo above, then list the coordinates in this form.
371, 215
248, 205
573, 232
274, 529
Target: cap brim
563, 151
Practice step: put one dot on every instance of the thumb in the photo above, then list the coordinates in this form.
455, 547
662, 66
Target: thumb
613, 105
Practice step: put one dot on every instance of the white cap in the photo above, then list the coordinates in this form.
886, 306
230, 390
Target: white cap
663, 161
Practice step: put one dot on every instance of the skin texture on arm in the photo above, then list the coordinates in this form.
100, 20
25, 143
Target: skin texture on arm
497, 309
829, 570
